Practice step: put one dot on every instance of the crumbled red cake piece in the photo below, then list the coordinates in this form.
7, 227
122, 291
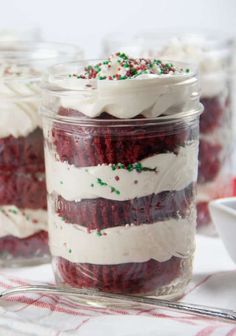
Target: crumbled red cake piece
209, 161
100, 213
114, 145
24, 153
128, 278
203, 214
32, 246
213, 114
23, 190
211, 154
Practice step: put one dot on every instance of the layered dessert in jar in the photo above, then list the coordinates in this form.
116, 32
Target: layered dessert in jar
121, 146
23, 204
214, 58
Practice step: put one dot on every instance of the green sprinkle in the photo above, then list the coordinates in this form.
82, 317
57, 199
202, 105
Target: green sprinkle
187, 70
70, 250
99, 234
13, 211
138, 167
61, 182
101, 182
130, 167
117, 192
92, 185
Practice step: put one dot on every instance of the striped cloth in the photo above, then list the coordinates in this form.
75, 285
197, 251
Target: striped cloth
214, 284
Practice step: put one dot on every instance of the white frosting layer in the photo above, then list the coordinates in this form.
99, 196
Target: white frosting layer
173, 172
149, 95
18, 119
123, 244
21, 223
19, 104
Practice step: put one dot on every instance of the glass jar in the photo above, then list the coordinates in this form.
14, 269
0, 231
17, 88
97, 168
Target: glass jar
121, 190
23, 214
213, 54
32, 34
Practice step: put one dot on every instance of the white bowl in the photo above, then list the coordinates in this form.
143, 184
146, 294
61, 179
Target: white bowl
223, 213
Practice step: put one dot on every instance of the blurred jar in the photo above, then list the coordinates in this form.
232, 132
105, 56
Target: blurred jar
213, 55
23, 215
13, 35
121, 179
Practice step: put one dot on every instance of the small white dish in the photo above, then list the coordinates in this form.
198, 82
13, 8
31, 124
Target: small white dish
223, 213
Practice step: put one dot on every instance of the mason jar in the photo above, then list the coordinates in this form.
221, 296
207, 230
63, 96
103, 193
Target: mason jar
23, 205
121, 167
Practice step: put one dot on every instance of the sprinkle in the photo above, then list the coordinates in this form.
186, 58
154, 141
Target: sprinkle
70, 250
117, 178
99, 234
14, 211
102, 183
92, 185
127, 68
61, 182
130, 167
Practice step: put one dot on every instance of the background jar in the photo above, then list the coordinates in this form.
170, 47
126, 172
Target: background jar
213, 53
118, 184
23, 216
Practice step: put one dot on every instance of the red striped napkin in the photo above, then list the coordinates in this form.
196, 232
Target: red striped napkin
51, 315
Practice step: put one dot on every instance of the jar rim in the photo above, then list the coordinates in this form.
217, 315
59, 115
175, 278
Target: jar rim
35, 54
163, 119
215, 39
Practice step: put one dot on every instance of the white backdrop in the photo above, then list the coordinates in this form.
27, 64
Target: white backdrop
86, 22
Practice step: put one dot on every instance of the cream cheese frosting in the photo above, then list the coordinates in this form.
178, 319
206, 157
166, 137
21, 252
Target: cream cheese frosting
123, 244
21, 223
125, 87
19, 102
161, 172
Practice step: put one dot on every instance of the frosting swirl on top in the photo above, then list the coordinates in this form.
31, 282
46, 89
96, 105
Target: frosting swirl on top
126, 87
19, 100
119, 67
